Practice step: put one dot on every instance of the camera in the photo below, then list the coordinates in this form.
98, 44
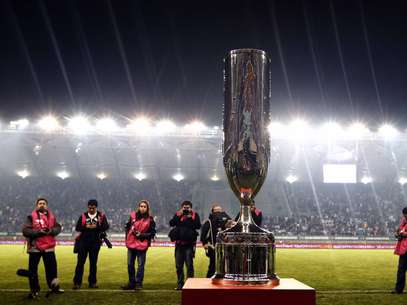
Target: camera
399, 235
220, 220
25, 273
185, 212
44, 231
103, 237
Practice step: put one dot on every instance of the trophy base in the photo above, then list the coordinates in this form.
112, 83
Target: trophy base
252, 281
245, 258
200, 291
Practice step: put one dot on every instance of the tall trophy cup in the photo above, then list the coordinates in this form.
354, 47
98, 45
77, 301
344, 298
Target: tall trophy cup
245, 253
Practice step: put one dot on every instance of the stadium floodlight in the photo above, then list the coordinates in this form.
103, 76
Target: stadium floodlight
277, 130
140, 176
19, 124
101, 176
357, 130
78, 147
165, 126
37, 148
195, 127
106, 125
291, 179
387, 131
23, 173
141, 126
215, 178
48, 123
402, 180
331, 130
366, 179
298, 130
63, 174
79, 125
178, 177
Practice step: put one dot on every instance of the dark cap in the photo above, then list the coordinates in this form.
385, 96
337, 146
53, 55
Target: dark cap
93, 202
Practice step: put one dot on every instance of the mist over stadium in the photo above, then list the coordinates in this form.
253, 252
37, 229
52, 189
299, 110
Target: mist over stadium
325, 180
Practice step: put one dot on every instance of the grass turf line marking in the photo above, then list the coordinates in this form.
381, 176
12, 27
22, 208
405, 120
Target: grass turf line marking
372, 291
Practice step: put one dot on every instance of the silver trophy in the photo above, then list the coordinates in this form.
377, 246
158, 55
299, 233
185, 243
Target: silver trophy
245, 253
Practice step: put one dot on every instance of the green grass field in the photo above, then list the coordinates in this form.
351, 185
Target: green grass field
339, 276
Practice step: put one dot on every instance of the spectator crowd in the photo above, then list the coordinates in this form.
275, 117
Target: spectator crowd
324, 209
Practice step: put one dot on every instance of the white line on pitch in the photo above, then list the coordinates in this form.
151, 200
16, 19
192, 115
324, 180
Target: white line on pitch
372, 291
353, 291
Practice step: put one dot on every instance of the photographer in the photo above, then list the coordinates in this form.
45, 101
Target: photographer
186, 221
216, 222
92, 226
401, 250
40, 230
140, 230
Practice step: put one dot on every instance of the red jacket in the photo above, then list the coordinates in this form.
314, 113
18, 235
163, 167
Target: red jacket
41, 222
141, 225
401, 247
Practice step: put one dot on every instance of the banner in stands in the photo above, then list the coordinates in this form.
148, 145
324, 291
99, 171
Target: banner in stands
280, 245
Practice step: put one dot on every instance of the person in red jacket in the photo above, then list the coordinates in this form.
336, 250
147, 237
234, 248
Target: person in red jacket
40, 230
90, 226
140, 230
186, 221
401, 250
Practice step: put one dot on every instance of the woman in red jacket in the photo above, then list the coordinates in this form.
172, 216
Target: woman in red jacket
401, 250
140, 230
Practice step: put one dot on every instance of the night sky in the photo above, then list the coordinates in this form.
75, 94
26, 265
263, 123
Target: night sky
341, 60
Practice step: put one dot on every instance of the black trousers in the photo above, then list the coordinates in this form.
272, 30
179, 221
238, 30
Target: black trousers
50, 265
184, 254
84, 250
401, 273
210, 253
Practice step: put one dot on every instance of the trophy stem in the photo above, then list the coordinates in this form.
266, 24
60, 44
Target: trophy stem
245, 215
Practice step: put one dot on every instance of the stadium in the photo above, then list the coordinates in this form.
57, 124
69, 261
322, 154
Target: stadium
262, 145
333, 197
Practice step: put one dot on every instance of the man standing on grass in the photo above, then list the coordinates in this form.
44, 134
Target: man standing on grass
401, 251
40, 230
91, 225
186, 221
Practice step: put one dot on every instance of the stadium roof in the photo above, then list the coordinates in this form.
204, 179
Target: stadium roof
144, 149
